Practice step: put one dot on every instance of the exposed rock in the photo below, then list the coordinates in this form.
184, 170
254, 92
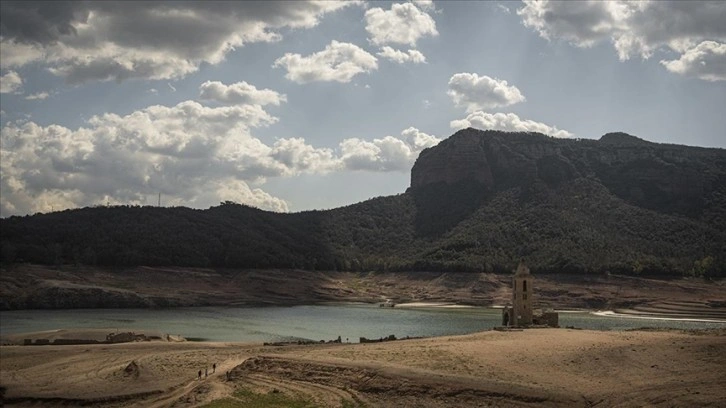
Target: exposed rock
132, 370
668, 178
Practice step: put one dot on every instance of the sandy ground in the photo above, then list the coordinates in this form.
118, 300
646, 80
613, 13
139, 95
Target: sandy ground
537, 367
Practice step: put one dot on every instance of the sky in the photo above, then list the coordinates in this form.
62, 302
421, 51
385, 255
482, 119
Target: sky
302, 105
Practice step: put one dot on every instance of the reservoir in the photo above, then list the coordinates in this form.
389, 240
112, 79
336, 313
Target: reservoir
319, 322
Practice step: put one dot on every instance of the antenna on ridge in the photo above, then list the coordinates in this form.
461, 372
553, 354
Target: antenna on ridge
159, 205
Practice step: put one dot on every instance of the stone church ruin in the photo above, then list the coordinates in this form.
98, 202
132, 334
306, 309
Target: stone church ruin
521, 312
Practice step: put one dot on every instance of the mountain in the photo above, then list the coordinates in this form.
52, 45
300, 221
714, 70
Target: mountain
478, 201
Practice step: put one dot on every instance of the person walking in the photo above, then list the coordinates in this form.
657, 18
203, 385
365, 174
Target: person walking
199, 375
214, 368
205, 372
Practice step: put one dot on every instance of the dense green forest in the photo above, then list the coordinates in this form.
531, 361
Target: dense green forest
579, 224
578, 228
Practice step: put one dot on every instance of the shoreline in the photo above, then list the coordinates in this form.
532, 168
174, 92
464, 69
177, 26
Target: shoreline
436, 305
87, 336
664, 317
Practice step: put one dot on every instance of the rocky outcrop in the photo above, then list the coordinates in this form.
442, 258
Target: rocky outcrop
454, 159
667, 178
494, 159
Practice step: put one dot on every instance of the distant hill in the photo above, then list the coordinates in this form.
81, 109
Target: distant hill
478, 201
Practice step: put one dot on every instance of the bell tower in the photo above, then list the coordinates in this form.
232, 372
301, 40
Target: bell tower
522, 295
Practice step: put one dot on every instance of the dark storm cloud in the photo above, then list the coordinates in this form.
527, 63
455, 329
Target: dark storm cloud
40, 21
106, 40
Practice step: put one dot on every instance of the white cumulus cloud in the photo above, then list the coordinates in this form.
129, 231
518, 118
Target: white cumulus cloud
403, 23
338, 62
508, 122
10, 82
706, 61
190, 153
297, 155
389, 153
194, 155
413, 56
426, 5
474, 93
240, 93
635, 28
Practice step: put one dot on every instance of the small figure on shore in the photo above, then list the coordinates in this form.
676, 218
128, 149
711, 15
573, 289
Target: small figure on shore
199, 375
214, 368
205, 372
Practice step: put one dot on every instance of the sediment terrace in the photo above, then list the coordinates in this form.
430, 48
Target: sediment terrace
42, 287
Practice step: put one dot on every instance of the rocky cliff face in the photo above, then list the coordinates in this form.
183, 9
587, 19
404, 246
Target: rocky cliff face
668, 178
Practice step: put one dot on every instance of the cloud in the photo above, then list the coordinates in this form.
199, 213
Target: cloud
634, 28
230, 189
508, 122
386, 154
194, 155
706, 61
418, 140
426, 5
87, 41
474, 92
581, 23
171, 87
338, 62
10, 82
240, 93
401, 57
14, 54
189, 152
404, 23
37, 96
504, 9
297, 155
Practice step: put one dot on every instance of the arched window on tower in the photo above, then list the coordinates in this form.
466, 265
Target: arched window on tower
524, 286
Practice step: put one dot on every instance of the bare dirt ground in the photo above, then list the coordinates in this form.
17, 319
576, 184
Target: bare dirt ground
539, 367
40, 287
530, 368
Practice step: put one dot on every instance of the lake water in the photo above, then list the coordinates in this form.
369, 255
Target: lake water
247, 324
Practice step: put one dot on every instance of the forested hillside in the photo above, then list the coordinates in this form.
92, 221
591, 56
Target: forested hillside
478, 201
